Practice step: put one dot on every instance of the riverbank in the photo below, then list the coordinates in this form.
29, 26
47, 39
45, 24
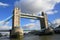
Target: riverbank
36, 37
45, 37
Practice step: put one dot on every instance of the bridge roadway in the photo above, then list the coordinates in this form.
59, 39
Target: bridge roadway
9, 30
23, 30
30, 16
4, 30
25, 16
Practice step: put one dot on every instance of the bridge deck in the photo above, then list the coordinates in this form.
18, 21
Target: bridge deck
30, 16
4, 30
9, 30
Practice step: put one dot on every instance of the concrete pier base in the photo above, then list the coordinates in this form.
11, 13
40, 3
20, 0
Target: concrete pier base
16, 31
16, 34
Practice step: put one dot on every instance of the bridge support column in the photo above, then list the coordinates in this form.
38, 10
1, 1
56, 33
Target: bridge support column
44, 21
16, 32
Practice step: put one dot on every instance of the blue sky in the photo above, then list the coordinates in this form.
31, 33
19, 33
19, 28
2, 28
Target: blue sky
6, 11
7, 6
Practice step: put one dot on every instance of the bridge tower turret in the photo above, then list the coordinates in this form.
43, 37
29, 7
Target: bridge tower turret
16, 18
16, 31
44, 21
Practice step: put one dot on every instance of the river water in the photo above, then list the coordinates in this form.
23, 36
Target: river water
36, 37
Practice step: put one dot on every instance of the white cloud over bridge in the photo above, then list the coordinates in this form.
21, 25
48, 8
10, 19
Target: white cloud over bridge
35, 6
3, 4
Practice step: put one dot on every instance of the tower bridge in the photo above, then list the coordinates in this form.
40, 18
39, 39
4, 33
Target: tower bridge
16, 21
16, 30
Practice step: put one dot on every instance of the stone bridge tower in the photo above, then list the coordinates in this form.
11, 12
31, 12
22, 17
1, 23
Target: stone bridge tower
44, 21
16, 18
16, 31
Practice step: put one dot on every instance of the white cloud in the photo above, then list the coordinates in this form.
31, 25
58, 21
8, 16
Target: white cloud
57, 21
32, 26
3, 4
4, 24
5, 21
32, 21
51, 12
57, 1
5, 27
29, 26
35, 6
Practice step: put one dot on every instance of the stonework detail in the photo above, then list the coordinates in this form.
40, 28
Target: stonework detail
16, 31
44, 21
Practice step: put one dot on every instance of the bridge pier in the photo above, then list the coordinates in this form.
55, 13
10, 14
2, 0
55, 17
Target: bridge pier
16, 31
44, 21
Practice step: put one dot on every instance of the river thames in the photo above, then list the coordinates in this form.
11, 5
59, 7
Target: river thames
36, 37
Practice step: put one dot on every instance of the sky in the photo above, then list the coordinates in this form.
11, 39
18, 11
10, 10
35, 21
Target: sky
51, 7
